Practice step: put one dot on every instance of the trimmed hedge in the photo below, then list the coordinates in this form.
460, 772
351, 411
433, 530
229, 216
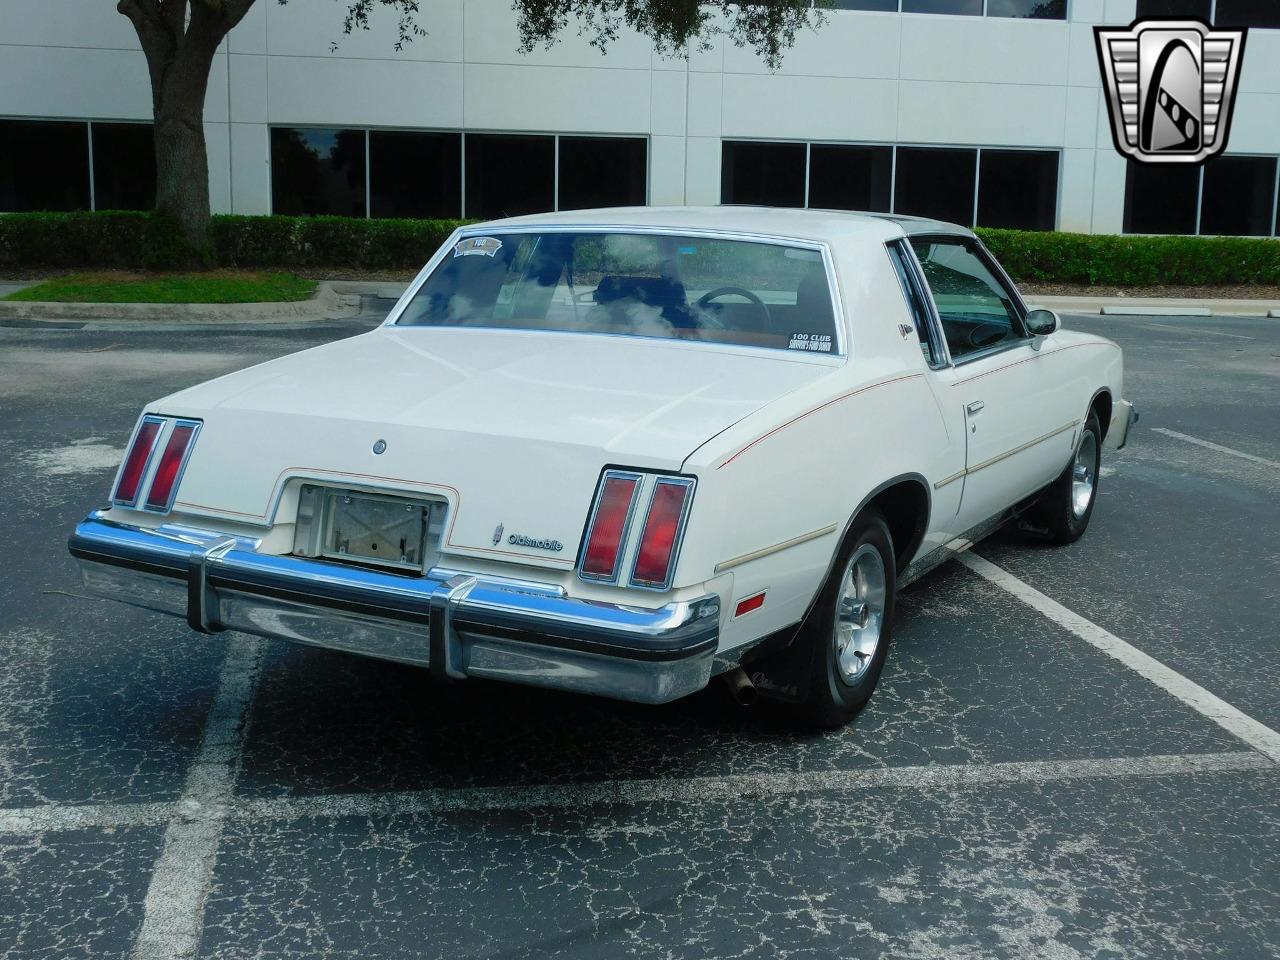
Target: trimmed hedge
131, 240
1134, 261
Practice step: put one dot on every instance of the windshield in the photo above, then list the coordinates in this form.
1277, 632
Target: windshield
642, 285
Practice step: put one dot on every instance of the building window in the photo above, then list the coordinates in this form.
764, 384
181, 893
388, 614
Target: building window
510, 175
1161, 199
124, 166
881, 6
1247, 13
602, 172
769, 174
1229, 196
318, 171
936, 182
1028, 9
850, 178
415, 174
44, 166
1018, 189
1175, 8
1238, 196
967, 8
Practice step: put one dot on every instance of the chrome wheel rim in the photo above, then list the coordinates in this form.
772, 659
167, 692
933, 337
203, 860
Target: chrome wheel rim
859, 613
1084, 478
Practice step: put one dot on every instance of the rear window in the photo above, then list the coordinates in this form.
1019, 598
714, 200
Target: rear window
634, 284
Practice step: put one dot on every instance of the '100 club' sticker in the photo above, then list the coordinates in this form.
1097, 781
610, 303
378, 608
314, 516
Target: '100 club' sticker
815, 342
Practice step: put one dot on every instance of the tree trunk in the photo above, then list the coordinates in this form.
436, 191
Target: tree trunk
182, 165
179, 39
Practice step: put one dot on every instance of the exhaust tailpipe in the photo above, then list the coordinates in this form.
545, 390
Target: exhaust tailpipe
740, 686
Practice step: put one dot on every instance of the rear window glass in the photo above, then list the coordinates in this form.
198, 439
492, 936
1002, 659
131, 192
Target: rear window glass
633, 284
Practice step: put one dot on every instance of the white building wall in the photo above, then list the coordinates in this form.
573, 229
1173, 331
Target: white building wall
863, 77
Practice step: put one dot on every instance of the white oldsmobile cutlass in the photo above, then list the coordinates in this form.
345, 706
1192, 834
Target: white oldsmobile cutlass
623, 451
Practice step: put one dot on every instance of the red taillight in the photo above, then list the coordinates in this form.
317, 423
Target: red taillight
609, 526
657, 553
163, 487
135, 463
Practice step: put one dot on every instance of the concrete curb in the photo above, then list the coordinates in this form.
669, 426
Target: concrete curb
1158, 306
327, 303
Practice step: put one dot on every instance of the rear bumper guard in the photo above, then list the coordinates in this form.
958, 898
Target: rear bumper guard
455, 623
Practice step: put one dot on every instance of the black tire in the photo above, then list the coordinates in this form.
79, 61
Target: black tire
1058, 512
832, 700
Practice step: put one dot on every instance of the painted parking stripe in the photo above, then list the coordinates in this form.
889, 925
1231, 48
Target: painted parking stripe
173, 909
1210, 445
1257, 735
629, 792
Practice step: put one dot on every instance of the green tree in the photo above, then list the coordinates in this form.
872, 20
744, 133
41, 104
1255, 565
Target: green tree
180, 37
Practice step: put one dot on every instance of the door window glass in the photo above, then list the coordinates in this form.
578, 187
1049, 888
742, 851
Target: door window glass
916, 303
976, 310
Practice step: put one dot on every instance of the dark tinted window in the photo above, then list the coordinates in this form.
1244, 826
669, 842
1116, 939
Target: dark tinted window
508, 176
1247, 13
43, 166
124, 166
850, 178
769, 174
1030, 9
1174, 8
890, 6
601, 172
1238, 196
1160, 199
972, 8
415, 174
935, 183
1018, 189
316, 171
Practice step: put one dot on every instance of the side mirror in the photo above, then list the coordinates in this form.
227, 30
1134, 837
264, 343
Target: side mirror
1041, 323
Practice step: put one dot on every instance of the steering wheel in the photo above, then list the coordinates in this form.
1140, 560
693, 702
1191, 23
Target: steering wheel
755, 301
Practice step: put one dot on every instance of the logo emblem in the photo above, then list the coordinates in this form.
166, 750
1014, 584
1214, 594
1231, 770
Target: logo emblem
1171, 86
497, 535
379, 447
537, 543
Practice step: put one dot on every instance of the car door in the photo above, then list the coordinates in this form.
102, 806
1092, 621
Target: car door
1018, 422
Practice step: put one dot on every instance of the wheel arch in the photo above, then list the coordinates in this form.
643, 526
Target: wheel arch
905, 503
1102, 404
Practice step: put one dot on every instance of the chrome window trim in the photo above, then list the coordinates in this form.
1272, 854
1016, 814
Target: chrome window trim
689, 483
920, 290
839, 320
182, 467
612, 577
143, 484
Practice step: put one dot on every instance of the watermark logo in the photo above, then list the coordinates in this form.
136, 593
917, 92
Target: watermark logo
1171, 86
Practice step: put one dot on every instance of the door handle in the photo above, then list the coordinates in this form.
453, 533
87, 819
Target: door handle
974, 407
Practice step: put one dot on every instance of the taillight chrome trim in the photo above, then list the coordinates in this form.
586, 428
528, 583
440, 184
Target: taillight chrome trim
142, 488
164, 432
689, 484
177, 422
624, 539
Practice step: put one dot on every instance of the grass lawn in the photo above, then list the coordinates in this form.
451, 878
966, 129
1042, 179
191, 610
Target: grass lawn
215, 286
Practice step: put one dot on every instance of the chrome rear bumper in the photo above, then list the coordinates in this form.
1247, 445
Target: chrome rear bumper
457, 624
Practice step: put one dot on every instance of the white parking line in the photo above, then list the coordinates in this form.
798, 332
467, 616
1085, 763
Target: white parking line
1257, 735
1210, 445
173, 910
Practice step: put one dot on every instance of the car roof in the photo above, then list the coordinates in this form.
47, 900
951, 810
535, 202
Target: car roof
800, 224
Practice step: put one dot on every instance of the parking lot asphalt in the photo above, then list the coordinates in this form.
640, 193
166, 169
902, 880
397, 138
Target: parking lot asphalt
1055, 764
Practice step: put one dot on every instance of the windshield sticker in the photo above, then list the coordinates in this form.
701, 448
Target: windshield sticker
688, 251
477, 246
814, 342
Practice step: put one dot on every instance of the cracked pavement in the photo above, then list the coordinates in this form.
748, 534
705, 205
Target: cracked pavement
1009, 792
